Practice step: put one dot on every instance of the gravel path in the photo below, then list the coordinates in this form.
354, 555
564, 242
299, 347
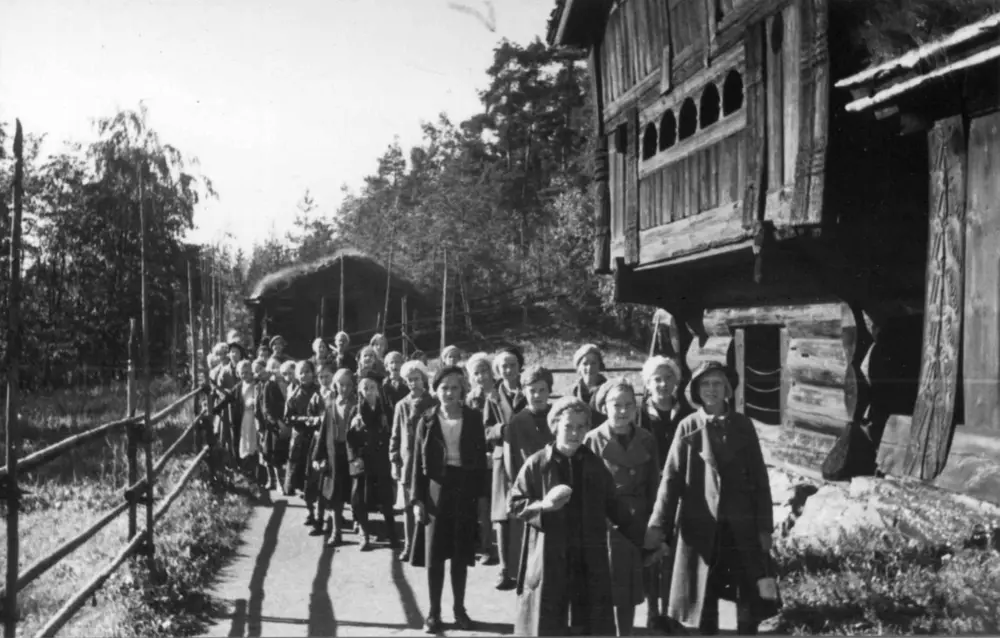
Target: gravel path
284, 582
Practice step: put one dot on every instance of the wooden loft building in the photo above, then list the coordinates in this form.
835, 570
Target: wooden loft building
948, 93
783, 233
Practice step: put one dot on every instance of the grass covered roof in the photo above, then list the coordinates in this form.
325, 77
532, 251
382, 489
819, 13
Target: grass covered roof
322, 277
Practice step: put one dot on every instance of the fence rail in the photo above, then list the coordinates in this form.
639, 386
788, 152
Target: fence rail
140, 492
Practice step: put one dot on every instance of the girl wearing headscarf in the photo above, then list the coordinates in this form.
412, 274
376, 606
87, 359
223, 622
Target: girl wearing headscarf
714, 507
330, 454
404, 424
629, 453
343, 358
368, 459
304, 412
589, 363
449, 476
507, 365
660, 414
527, 433
485, 398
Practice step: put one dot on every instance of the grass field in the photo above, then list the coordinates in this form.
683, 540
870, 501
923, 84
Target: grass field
66, 495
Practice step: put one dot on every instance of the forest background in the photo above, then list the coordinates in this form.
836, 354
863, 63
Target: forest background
504, 193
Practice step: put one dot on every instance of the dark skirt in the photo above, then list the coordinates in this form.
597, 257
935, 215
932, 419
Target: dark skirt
273, 448
298, 459
337, 479
499, 490
451, 533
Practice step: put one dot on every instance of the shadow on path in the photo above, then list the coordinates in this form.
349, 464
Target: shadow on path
239, 619
262, 564
321, 619
414, 619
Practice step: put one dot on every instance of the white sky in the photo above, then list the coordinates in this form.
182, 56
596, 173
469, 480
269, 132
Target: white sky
272, 97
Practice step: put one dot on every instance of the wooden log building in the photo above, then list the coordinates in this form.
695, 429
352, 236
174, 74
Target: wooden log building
816, 249
302, 302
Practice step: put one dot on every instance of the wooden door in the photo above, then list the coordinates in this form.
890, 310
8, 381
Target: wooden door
930, 435
981, 341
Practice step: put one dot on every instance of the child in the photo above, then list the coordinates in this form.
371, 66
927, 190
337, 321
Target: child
404, 425
527, 433
393, 388
330, 454
304, 412
274, 434
486, 399
321, 354
369, 364
314, 475
343, 358
278, 345
589, 363
629, 453
451, 357
287, 370
368, 456
242, 416
507, 366
721, 528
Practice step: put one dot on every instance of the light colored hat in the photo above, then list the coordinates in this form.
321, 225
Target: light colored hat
477, 360
586, 349
601, 397
653, 363
415, 366
567, 403
450, 350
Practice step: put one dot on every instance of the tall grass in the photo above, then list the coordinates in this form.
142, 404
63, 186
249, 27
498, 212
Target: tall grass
67, 494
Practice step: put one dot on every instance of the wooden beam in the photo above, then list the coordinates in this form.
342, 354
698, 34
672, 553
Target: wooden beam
708, 229
933, 414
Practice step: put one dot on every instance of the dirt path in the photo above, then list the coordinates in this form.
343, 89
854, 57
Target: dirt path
285, 583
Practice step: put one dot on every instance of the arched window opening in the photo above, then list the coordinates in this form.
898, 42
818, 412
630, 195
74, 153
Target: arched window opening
649, 141
709, 107
732, 93
668, 130
689, 120
777, 33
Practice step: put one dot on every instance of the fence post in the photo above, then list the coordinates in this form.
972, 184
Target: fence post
130, 431
193, 353
12, 364
402, 329
147, 435
444, 302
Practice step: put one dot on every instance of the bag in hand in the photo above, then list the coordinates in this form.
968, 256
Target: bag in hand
766, 599
357, 467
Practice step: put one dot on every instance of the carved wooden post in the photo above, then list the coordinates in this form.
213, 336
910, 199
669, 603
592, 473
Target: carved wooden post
857, 341
756, 179
602, 193
739, 348
927, 449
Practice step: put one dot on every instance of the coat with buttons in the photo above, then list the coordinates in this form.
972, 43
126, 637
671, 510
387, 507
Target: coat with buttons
636, 473
688, 499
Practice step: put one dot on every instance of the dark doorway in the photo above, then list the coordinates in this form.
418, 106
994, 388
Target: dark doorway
761, 373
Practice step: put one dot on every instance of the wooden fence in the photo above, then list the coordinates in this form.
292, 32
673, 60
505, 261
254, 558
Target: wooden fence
139, 492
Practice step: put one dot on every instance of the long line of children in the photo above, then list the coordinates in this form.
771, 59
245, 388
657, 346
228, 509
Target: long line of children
342, 430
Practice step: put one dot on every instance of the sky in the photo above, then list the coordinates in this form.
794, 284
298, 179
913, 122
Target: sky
272, 98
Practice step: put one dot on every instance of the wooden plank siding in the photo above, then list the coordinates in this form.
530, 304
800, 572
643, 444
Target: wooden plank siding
634, 36
981, 347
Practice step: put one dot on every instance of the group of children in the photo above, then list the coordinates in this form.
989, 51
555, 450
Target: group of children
340, 429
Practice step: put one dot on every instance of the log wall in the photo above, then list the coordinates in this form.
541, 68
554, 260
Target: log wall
814, 366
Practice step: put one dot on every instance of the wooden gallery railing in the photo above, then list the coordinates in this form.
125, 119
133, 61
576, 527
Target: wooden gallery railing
138, 430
